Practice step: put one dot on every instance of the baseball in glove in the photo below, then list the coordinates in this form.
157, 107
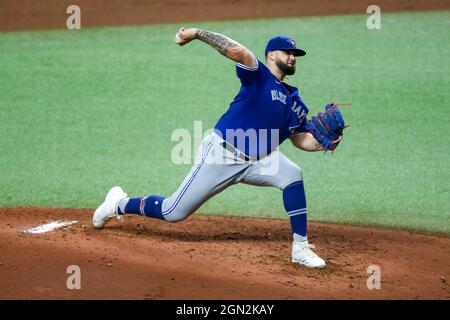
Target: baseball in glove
327, 128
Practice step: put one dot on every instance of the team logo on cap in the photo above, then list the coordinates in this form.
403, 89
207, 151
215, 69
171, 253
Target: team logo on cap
293, 42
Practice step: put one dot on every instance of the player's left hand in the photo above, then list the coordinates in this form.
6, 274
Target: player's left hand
327, 128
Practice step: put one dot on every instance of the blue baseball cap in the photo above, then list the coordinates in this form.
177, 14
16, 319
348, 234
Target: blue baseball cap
284, 43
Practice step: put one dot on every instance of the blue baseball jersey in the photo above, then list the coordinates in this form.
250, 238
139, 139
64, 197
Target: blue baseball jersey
264, 113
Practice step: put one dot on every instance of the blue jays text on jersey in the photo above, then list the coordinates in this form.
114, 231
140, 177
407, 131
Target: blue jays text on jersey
263, 104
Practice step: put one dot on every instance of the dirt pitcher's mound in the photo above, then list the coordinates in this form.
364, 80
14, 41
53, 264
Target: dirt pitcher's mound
212, 258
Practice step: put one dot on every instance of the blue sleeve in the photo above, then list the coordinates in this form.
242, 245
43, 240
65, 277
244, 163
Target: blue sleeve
302, 127
298, 125
299, 112
249, 75
295, 126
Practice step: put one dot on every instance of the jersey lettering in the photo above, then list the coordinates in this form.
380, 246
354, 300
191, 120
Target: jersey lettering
254, 109
277, 95
299, 111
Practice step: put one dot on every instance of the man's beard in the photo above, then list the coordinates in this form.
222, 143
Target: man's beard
287, 70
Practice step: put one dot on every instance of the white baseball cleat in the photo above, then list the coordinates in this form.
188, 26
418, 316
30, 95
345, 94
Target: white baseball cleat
108, 209
302, 254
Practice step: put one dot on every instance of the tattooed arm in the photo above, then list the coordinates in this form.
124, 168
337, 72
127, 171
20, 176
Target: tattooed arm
226, 46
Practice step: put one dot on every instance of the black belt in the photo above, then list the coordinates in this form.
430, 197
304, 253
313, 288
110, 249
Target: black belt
235, 151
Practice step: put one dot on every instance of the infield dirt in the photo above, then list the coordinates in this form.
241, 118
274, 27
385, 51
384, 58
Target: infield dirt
212, 258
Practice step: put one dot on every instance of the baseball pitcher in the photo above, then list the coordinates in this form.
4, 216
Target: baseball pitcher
243, 147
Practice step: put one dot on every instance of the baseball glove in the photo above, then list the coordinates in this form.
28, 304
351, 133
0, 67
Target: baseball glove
327, 128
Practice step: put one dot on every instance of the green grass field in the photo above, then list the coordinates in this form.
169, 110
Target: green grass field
84, 110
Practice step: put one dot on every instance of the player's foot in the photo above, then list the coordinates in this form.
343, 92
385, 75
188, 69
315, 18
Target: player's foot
108, 209
302, 254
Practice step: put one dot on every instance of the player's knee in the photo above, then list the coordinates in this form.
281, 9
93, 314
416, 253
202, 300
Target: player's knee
176, 216
293, 174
